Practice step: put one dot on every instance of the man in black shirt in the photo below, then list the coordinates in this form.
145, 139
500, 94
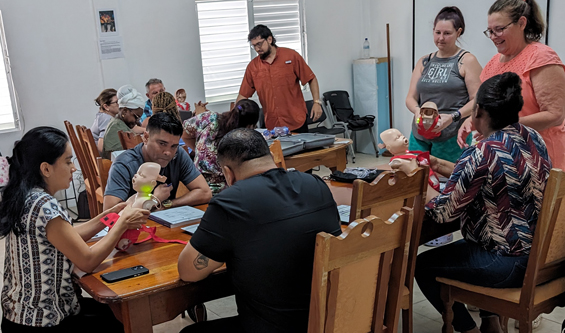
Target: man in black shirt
264, 228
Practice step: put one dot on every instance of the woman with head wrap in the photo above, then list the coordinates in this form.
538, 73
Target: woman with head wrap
131, 104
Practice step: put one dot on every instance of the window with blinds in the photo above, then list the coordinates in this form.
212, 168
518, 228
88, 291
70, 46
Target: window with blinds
9, 119
224, 26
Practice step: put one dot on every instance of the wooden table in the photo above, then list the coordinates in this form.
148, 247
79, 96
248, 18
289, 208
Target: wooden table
157, 297
160, 296
334, 157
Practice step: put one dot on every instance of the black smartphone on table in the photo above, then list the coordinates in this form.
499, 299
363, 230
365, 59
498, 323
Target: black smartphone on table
123, 274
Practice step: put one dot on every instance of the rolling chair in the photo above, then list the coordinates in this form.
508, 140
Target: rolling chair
337, 127
338, 101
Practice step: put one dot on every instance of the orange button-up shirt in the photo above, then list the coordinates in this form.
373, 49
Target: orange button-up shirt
278, 87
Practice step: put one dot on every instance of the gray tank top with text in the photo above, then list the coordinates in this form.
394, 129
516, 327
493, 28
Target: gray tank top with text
442, 84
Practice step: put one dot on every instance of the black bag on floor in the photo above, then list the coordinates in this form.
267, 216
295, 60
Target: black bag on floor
82, 206
367, 175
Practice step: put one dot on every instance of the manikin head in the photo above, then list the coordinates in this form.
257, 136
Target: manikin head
394, 141
145, 180
428, 113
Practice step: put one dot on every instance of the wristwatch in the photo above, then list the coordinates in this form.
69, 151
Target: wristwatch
456, 116
167, 204
318, 101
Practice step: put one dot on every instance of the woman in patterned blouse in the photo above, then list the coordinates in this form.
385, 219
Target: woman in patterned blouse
495, 193
42, 246
203, 132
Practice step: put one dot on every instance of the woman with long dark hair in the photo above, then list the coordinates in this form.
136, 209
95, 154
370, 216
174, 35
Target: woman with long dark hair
203, 132
42, 246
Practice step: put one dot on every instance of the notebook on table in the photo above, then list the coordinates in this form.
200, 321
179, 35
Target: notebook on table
177, 217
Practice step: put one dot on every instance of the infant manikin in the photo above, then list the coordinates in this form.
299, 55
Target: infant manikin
403, 159
428, 121
144, 181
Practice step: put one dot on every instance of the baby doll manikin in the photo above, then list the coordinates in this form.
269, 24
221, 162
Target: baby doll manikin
144, 181
428, 121
404, 160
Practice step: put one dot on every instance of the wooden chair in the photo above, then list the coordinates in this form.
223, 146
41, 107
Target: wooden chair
276, 150
544, 283
84, 167
383, 197
129, 139
358, 277
104, 166
90, 153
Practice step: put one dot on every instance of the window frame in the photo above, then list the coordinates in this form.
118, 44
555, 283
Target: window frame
251, 23
11, 88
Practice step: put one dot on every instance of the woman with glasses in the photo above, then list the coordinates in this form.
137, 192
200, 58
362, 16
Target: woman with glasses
131, 104
107, 101
515, 27
448, 77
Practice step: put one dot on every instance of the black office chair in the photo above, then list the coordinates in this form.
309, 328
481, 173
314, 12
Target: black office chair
338, 101
337, 127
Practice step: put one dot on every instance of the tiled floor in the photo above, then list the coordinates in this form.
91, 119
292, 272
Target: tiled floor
426, 319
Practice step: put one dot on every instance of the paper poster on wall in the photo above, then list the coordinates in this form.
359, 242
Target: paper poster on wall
108, 25
111, 47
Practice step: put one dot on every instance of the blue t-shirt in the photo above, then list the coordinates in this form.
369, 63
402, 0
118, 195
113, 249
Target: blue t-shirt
180, 168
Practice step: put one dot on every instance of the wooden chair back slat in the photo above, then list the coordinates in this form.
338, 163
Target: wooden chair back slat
84, 167
547, 256
390, 191
278, 157
104, 166
90, 152
353, 281
129, 139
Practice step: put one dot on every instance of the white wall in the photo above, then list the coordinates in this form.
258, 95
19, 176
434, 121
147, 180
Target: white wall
57, 71
399, 14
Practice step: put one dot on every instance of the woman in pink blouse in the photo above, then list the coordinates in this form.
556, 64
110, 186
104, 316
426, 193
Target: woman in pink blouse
515, 27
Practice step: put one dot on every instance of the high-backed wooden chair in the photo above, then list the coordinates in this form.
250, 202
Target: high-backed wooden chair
358, 277
90, 152
84, 167
544, 283
390, 191
276, 150
104, 166
129, 139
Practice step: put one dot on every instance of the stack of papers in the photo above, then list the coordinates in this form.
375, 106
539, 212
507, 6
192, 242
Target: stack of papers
177, 217
191, 229
344, 211
99, 235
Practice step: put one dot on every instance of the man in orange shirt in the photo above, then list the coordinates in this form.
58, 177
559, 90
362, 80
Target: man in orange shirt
275, 75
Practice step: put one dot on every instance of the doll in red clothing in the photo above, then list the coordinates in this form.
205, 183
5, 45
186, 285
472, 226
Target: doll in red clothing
403, 159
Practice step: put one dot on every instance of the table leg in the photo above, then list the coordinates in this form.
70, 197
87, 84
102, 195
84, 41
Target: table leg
340, 160
135, 315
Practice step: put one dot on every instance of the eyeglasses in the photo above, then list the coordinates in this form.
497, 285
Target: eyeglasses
497, 32
258, 45
136, 116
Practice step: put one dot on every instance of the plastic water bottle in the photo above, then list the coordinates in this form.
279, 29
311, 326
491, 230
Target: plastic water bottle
267, 134
366, 49
280, 131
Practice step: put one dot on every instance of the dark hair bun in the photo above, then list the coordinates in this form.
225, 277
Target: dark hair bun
501, 97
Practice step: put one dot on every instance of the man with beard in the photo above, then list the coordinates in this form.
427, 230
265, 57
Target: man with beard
275, 75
